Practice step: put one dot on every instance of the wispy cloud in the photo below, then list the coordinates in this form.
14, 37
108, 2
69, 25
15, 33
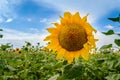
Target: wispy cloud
48, 21
7, 8
43, 20
18, 38
105, 40
9, 20
1, 20
34, 30
96, 8
109, 27
29, 19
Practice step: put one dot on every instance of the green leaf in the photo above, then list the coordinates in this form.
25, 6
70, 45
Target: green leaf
54, 77
28, 43
110, 32
106, 46
117, 63
1, 29
101, 60
113, 76
2, 65
11, 68
4, 47
118, 34
72, 71
114, 19
1, 36
117, 42
117, 19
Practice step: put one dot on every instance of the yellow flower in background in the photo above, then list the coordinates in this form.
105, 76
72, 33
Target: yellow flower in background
17, 49
72, 37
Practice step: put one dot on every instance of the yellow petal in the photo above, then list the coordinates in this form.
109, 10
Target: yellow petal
69, 56
61, 53
77, 54
51, 37
76, 18
56, 24
88, 31
84, 54
67, 15
87, 46
85, 18
90, 27
48, 38
53, 46
76, 15
51, 30
91, 39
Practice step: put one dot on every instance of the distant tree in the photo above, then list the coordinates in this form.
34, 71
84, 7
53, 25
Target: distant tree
1, 34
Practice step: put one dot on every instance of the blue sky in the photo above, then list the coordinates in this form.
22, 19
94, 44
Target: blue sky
27, 14
26, 20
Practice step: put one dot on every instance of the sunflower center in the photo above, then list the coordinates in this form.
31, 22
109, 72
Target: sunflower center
72, 37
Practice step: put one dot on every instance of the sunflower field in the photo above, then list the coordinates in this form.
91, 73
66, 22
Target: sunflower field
38, 63
71, 54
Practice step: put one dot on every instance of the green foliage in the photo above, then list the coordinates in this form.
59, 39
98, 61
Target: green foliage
28, 44
1, 29
37, 64
100, 66
113, 77
106, 49
110, 32
118, 34
6, 46
1, 34
117, 42
106, 46
72, 71
117, 19
31, 64
55, 77
2, 65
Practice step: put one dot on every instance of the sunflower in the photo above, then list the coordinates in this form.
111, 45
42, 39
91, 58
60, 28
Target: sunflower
72, 37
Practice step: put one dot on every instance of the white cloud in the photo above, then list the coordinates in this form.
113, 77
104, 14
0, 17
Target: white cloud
109, 27
96, 9
9, 20
34, 30
7, 8
105, 40
1, 20
43, 20
29, 19
18, 38
4, 9
48, 21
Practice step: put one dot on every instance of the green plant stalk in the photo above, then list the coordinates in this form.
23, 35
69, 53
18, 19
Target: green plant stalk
26, 63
